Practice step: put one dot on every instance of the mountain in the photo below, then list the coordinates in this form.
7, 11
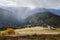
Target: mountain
44, 18
25, 16
7, 19
55, 11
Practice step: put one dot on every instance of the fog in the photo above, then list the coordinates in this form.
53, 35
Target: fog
20, 9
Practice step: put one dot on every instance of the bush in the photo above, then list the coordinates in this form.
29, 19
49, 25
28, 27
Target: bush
8, 31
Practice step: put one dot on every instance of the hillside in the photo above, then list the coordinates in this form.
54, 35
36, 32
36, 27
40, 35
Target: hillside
44, 19
36, 30
33, 33
6, 19
38, 16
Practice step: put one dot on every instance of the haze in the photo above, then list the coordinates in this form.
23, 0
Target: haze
23, 8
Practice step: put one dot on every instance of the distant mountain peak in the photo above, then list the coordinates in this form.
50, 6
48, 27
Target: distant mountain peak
42, 18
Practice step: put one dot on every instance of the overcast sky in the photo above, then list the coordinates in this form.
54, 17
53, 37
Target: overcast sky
31, 3
52, 4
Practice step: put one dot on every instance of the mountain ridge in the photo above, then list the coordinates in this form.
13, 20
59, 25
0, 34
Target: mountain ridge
47, 17
7, 17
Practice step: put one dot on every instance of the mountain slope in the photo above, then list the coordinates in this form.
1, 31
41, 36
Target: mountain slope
7, 19
38, 16
44, 18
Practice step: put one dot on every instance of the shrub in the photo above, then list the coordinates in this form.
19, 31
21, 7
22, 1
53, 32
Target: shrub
8, 31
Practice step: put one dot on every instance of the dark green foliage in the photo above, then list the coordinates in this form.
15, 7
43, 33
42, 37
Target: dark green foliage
44, 19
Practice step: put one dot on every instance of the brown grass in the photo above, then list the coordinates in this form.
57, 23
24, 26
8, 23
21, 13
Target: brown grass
33, 33
36, 30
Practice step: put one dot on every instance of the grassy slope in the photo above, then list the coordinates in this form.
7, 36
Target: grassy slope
36, 30
34, 33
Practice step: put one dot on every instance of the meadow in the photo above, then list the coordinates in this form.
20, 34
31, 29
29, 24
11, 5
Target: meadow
33, 33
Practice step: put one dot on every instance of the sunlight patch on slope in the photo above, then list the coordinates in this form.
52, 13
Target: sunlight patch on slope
35, 30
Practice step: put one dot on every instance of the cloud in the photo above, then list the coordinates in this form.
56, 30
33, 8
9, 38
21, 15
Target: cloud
8, 3
32, 3
39, 3
23, 7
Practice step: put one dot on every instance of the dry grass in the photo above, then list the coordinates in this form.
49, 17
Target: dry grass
36, 30
34, 33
